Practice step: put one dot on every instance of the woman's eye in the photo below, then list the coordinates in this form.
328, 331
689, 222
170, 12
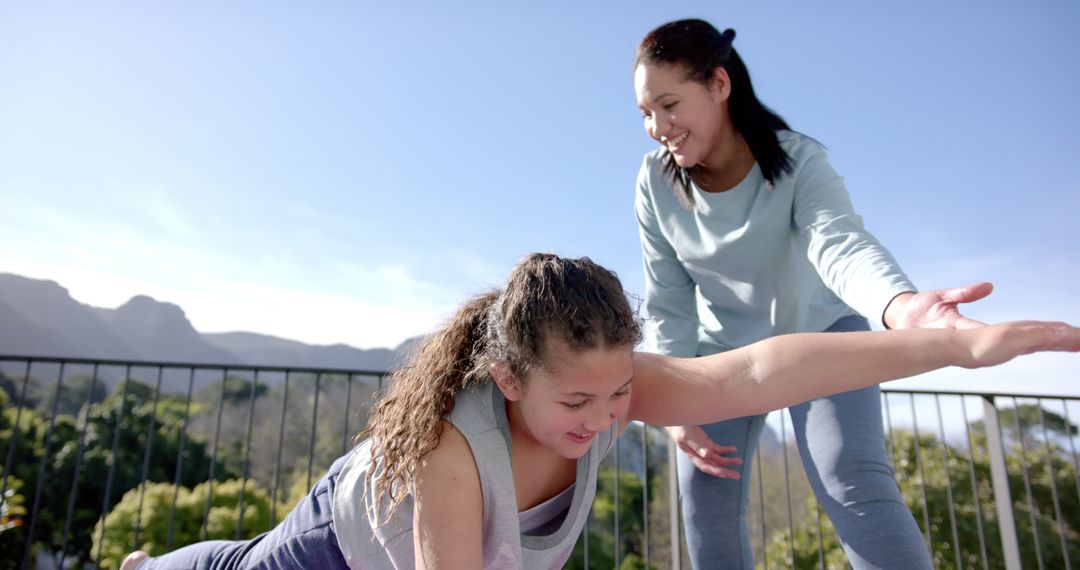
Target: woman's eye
576, 406
670, 106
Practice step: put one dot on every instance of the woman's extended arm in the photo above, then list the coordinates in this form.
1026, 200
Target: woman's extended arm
448, 506
785, 370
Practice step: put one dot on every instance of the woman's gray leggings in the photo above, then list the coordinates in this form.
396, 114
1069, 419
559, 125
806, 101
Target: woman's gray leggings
842, 444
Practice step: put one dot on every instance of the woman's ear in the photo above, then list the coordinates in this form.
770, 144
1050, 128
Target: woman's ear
722, 83
508, 382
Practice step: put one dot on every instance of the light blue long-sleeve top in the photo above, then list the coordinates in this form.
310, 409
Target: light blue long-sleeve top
757, 261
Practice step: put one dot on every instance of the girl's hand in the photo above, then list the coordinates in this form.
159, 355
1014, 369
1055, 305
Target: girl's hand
705, 454
1001, 343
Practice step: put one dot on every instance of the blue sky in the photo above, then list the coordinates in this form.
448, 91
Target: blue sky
351, 171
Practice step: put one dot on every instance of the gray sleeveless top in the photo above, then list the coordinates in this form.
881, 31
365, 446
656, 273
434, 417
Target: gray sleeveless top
550, 529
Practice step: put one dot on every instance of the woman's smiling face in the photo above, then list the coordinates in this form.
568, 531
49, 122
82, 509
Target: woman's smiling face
683, 115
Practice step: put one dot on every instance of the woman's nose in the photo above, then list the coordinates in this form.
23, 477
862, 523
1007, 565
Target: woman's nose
659, 127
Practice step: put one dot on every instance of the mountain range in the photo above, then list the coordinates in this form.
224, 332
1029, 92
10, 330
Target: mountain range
40, 318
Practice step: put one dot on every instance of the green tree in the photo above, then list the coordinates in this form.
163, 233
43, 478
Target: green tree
126, 528
87, 442
941, 493
74, 393
12, 522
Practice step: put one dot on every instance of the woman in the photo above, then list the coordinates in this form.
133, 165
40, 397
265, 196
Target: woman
485, 450
747, 232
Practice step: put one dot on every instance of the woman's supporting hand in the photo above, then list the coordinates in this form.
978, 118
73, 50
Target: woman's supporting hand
937, 309
704, 453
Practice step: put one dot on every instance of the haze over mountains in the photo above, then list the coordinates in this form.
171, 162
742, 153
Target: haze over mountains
40, 318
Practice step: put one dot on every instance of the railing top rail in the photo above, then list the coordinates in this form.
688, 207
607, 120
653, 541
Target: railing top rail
238, 367
988, 395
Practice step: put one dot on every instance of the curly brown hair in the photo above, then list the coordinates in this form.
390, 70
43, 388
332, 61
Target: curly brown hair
546, 298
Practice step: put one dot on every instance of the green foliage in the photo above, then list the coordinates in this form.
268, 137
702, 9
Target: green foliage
224, 520
602, 545
73, 394
11, 388
90, 436
12, 523
237, 390
927, 494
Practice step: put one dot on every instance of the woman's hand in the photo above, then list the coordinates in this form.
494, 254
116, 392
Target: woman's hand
705, 454
996, 344
935, 309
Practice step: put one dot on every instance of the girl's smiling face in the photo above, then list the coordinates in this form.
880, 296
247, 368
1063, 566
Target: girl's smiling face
562, 406
685, 116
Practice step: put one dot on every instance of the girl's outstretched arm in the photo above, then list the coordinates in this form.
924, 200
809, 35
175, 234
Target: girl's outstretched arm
789, 369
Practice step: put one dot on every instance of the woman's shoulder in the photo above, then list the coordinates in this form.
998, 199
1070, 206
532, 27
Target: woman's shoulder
652, 173
798, 144
799, 147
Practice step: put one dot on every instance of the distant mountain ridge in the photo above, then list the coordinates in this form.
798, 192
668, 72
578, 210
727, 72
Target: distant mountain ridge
40, 318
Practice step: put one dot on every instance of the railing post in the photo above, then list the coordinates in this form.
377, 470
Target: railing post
673, 506
999, 474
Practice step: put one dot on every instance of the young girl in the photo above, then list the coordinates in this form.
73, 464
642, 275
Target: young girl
485, 450
747, 232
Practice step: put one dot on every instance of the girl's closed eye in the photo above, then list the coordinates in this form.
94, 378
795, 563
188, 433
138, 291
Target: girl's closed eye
575, 405
670, 106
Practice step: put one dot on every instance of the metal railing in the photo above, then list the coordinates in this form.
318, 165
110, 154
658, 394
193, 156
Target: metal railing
102, 457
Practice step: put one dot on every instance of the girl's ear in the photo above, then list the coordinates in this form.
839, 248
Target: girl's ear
722, 83
506, 380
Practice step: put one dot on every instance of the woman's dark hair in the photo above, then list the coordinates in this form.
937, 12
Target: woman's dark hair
699, 48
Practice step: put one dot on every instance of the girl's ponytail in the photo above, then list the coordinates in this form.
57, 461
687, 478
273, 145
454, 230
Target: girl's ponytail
406, 422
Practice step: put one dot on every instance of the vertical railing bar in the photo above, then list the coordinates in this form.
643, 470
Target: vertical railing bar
974, 486
889, 431
995, 446
247, 454
281, 444
180, 458
314, 423
348, 411
787, 490
922, 476
1027, 482
759, 468
820, 536
585, 534
1072, 446
10, 459
618, 468
41, 468
673, 506
146, 456
1053, 485
645, 487
112, 462
213, 458
948, 481
85, 413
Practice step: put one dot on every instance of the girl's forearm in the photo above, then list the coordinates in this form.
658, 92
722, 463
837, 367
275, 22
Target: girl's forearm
785, 370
